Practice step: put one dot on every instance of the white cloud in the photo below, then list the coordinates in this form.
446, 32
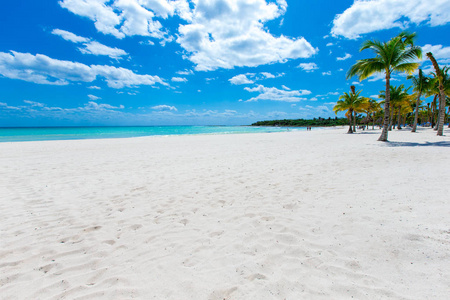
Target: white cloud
179, 79
369, 16
42, 69
95, 48
329, 44
37, 108
69, 36
89, 46
93, 97
440, 52
165, 108
325, 96
346, 56
33, 103
91, 105
267, 75
185, 72
148, 43
214, 33
275, 94
94, 87
326, 73
285, 88
308, 67
250, 78
240, 79
228, 34
128, 17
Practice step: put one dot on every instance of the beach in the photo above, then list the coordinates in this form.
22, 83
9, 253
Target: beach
315, 214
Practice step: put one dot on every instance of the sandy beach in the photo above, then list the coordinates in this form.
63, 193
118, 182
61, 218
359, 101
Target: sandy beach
296, 215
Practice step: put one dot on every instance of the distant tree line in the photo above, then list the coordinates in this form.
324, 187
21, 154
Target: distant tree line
321, 122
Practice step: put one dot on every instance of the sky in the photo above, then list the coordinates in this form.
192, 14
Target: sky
197, 62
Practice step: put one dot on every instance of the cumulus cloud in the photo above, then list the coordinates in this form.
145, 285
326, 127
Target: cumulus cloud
90, 46
326, 73
240, 79
274, 94
374, 15
346, 56
267, 75
308, 67
214, 33
164, 108
227, 34
440, 52
179, 79
42, 69
128, 17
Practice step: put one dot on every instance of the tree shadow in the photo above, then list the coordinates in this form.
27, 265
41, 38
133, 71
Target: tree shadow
426, 144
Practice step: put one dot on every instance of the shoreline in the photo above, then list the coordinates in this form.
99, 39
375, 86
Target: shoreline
320, 214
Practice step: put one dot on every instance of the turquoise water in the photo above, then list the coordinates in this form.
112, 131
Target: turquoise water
76, 133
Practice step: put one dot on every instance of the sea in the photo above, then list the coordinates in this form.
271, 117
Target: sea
21, 134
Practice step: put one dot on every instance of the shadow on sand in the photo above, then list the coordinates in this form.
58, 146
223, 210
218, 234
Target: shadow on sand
426, 144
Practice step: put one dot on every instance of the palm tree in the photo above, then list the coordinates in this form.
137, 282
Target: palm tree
399, 96
420, 84
351, 103
396, 55
440, 77
370, 107
433, 90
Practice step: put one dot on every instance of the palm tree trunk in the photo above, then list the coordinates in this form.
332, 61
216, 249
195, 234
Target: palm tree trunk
433, 113
440, 127
399, 118
441, 110
391, 119
416, 113
354, 121
384, 134
448, 117
350, 122
373, 121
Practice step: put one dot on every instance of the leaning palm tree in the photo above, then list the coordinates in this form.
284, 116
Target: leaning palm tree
443, 85
351, 103
396, 55
420, 84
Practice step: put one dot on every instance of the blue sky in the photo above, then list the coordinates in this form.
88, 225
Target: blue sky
196, 62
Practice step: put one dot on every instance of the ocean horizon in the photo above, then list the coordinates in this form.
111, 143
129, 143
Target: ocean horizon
26, 134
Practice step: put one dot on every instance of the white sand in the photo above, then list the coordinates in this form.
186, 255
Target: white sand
298, 215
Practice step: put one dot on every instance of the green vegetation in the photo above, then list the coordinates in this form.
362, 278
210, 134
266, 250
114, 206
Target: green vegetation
319, 122
396, 55
396, 107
